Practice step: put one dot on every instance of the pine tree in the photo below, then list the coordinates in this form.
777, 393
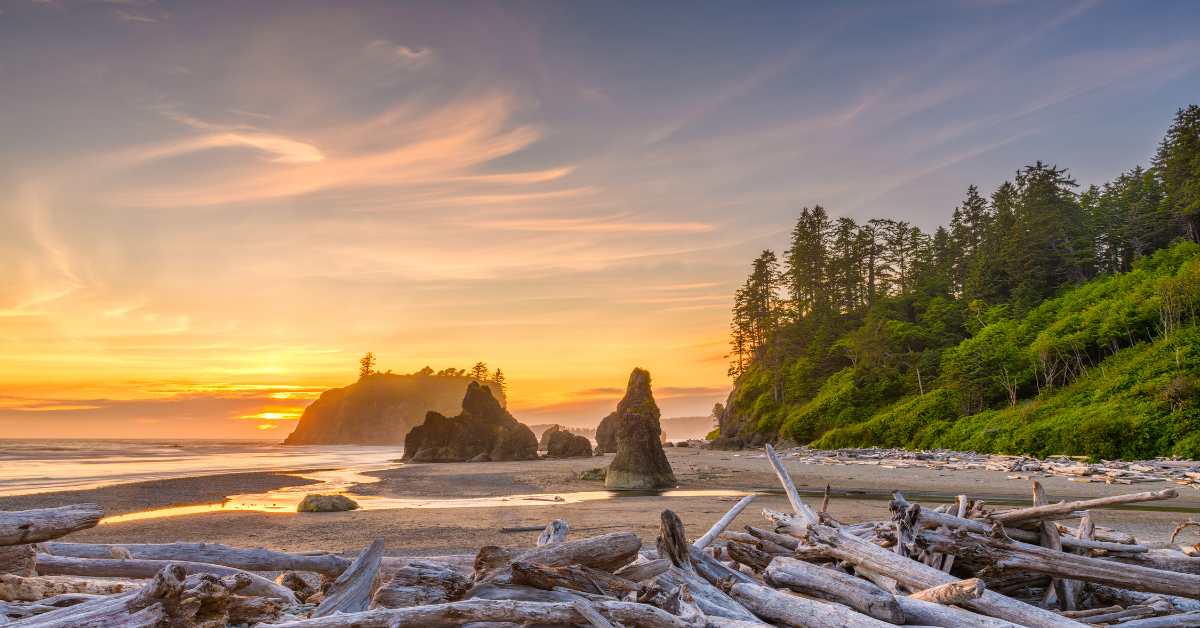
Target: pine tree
499, 380
1177, 164
366, 366
480, 371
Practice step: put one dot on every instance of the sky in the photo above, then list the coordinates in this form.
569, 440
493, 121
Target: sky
210, 210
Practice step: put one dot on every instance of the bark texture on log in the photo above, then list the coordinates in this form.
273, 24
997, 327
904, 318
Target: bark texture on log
16, 588
575, 577
34, 526
608, 552
257, 559
798, 611
419, 584
465, 612
919, 576
782, 540
353, 590
113, 568
672, 540
749, 555
952, 592
836, 586
18, 560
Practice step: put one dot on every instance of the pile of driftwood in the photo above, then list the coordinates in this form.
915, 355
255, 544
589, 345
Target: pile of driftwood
1182, 472
957, 566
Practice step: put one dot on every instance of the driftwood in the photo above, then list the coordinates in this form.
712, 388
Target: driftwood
708, 598
520, 593
798, 611
1065, 510
749, 555
353, 590
836, 585
124, 568
724, 522
644, 571
1187, 620
171, 598
1049, 538
468, 611
35, 526
930, 614
18, 560
804, 512
575, 577
952, 592
556, 532
672, 541
919, 576
422, 583
1159, 559
257, 559
1008, 554
16, 588
294, 581
782, 540
594, 618
933, 519
607, 552
713, 570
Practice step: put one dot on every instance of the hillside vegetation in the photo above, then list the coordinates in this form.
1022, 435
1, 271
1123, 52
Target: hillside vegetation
1043, 320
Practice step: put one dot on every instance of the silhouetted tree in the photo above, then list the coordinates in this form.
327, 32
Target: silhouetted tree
366, 366
480, 371
498, 378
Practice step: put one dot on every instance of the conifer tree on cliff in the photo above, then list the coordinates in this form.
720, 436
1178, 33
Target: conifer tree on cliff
498, 378
366, 366
480, 371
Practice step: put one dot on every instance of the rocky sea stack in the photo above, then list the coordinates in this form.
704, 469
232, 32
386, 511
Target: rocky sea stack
560, 443
379, 409
634, 434
483, 431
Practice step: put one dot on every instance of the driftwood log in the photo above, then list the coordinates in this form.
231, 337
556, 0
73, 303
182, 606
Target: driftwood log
672, 540
575, 577
708, 598
607, 552
257, 559
16, 588
749, 555
836, 585
34, 526
952, 592
1050, 539
469, 611
644, 571
18, 560
931, 519
556, 532
724, 522
804, 512
1065, 510
786, 542
930, 614
125, 568
798, 611
353, 590
920, 576
422, 583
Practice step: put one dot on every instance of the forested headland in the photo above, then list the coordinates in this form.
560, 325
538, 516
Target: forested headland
1046, 318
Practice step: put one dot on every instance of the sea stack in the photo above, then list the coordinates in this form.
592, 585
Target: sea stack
633, 433
483, 431
564, 444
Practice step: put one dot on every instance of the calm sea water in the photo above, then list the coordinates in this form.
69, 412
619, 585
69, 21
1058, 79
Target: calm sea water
40, 465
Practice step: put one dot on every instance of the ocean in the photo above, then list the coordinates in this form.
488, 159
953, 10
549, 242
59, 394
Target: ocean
29, 465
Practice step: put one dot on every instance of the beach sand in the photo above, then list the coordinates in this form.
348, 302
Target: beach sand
431, 531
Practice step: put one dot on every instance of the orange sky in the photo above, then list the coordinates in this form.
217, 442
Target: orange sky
209, 211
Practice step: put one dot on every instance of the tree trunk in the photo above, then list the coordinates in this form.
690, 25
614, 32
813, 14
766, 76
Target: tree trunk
1065, 510
353, 590
798, 611
930, 614
836, 586
576, 577
720, 526
16, 588
710, 599
125, 568
607, 552
672, 541
257, 559
34, 526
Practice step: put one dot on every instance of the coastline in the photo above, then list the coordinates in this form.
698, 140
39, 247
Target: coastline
441, 530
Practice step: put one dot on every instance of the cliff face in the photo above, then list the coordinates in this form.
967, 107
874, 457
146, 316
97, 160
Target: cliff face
381, 409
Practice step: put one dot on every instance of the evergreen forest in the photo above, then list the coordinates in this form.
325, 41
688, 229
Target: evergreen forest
1046, 318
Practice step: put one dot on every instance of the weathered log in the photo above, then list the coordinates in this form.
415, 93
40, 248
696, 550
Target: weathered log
421, 583
919, 576
1065, 510
1161, 559
468, 611
257, 559
710, 599
836, 586
930, 614
596, 620
556, 532
462, 563
1008, 554
16, 588
952, 592
124, 568
724, 522
713, 571
607, 552
171, 598
644, 571
749, 555
520, 593
1049, 538
18, 560
34, 526
804, 512
1102, 595
1084, 532
672, 540
294, 581
1185, 620
1104, 535
576, 577
782, 540
353, 590
931, 519
798, 611
12, 611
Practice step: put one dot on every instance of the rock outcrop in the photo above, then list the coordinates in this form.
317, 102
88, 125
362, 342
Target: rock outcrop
563, 444
380, 409
483, 428
321, 502
544, 441
639, 399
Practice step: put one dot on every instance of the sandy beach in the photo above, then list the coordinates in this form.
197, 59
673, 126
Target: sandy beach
859, 494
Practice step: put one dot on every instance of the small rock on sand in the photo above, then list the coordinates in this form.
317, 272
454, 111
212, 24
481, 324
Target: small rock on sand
319, 502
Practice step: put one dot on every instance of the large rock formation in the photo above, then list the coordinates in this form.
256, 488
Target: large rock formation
639, 399
640, 461
563, 444
483, 431
380, 409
